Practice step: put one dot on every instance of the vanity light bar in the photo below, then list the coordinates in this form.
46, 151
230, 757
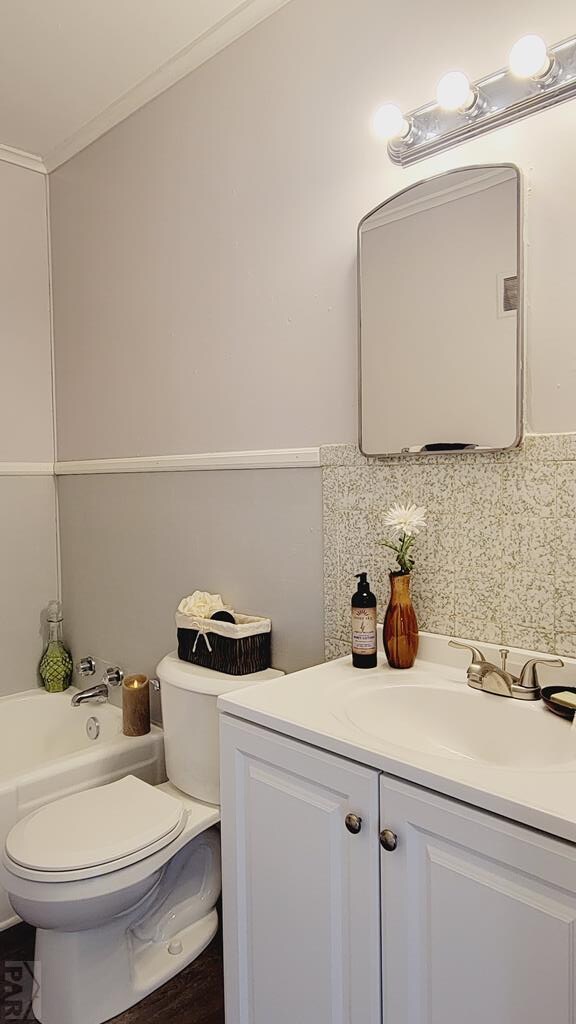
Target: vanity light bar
491, 102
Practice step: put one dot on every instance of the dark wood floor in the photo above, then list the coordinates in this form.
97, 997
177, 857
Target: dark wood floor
195, 996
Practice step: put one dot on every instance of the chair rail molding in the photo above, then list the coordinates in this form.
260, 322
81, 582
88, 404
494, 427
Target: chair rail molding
26, 468
270, 458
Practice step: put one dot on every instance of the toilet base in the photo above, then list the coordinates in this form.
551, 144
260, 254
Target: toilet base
80, 980
89, 976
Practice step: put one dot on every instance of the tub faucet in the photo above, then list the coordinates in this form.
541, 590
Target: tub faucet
98, 693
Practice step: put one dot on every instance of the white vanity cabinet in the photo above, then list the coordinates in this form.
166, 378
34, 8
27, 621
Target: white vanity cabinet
301, 892
478, 916
465, 918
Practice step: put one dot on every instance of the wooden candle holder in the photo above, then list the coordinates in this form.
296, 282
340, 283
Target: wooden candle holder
136, 706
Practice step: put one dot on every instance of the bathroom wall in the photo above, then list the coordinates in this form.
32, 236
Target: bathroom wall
134, 544
204, 288
27, 491
497, 560
204, 249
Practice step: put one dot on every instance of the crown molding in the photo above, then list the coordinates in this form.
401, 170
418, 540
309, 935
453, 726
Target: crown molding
30, 161
271, 458
205, 46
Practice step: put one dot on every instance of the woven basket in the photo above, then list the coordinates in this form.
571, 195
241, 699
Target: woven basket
237, 649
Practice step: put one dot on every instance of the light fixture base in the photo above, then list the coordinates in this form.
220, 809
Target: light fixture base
504, 99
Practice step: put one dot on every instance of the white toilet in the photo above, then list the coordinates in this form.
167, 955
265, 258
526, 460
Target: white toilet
122, 881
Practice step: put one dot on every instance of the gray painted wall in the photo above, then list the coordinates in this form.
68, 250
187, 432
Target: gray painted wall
28, 566
134, 544
25, 357
27, 504
204, 284
204, 249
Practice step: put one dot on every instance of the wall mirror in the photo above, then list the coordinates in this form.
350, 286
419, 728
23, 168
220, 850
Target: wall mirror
440, 297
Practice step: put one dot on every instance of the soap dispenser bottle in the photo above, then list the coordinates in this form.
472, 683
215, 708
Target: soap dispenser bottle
364, 625
56, 663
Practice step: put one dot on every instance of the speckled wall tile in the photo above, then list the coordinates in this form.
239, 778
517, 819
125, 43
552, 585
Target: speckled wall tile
498, 559
529, 543
530, 488
336, 649
566, 489
566, 643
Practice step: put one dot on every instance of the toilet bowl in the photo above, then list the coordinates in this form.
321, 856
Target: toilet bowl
122, 881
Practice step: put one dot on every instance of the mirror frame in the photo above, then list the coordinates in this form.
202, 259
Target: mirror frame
520, 320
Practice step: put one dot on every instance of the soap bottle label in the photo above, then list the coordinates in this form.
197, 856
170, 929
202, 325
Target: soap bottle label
364, 630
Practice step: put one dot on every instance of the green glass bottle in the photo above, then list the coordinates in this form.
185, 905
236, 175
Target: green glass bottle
56, 663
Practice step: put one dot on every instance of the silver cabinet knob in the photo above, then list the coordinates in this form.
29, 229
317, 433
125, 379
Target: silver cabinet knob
353, 823
388, 840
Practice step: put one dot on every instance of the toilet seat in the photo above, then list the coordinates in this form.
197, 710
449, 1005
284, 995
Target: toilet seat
94, 832
52, 890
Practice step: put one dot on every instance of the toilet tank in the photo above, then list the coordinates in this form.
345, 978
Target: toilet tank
189, 695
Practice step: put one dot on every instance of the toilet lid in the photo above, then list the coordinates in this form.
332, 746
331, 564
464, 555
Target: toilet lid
96, 827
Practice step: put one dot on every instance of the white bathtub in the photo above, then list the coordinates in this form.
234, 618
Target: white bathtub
45, 753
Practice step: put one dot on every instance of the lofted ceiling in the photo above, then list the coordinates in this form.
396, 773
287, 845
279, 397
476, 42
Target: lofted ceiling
71, 69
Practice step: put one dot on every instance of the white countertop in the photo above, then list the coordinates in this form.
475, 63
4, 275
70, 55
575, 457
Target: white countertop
311, 706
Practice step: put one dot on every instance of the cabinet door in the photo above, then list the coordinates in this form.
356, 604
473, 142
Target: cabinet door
478, 916
301, 892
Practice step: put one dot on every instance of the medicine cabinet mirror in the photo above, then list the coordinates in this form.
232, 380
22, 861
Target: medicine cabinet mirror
440, 295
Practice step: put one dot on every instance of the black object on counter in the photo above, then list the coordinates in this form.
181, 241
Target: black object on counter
558, 709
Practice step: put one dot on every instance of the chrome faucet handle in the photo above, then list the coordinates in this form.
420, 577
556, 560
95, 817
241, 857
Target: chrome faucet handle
86, 667
113, 676
529, 674
476, 653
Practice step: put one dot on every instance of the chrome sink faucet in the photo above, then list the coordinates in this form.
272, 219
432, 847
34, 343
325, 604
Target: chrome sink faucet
484, 675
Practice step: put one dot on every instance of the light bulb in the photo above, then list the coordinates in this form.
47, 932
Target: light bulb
529, 58
389, 122
454, 92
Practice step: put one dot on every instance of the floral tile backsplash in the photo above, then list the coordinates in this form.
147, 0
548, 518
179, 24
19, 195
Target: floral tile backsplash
497, 560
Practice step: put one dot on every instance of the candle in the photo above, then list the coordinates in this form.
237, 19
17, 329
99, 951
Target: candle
136, 706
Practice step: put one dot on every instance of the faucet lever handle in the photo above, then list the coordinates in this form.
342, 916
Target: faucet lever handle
476, 653
529, 674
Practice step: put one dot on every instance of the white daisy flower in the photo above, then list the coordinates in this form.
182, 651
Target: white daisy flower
405, 519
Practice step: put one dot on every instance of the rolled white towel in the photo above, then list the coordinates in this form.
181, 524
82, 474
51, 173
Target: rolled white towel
202, 605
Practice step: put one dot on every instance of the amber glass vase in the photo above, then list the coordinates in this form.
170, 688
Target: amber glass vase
400, 624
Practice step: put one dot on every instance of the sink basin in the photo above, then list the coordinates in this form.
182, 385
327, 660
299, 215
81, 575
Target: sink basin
459, 722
